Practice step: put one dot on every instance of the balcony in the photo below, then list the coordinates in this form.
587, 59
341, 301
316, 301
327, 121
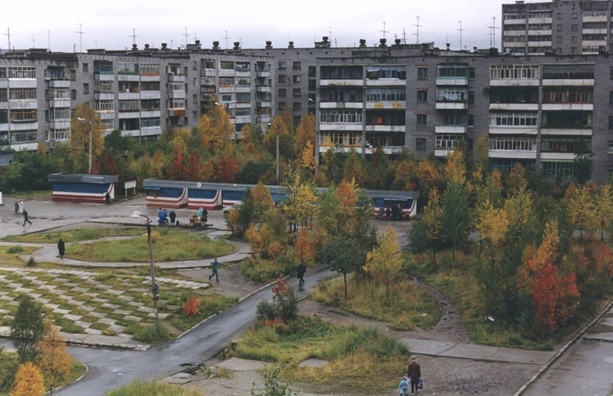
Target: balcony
548, 156
59, 83
450, 129
59, 103
451, 105
59, 124
452, 81
176, 78
22, 83
513, 130
568, 106
566, 131
104, 77
23, 104
263, 88
176, 112
512, 154
341, 83
514, 106
578, 82
149, 94
341, 105
385, 105
386, 128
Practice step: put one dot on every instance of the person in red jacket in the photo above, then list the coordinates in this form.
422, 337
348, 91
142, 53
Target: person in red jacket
414, 373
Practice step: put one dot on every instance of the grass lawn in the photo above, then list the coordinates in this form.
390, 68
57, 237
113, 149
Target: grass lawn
364, 359
408, 306
82, 234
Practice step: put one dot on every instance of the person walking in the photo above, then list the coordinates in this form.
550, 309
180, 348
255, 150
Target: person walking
16, 207
301, 271
414, 374
61, 248
215, 270
403, 386
21, 207
172, 215
25, 218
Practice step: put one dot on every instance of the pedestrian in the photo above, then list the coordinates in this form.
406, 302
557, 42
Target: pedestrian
172, 216
301, 271
107, 198
403, 386
215, 270
414, 374
16, 207
61, 248
21, 207
25, 218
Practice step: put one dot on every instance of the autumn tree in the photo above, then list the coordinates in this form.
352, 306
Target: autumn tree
455, 167
516, 181
215, 128
299, 208
405, 175
28, 381
431, 230
27, 328
54, 360
604, 209
553, 290
581, 208
85, 128
384, 262
355, 169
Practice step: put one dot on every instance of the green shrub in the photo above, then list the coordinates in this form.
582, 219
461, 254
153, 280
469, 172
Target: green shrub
147, 334
15, 249
31, 262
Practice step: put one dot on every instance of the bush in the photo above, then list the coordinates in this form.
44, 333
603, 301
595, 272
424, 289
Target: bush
191, 306
14, 249
284, 307
147, 334
31, 262
28, 328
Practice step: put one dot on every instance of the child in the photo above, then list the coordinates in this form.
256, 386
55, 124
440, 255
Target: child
404, 386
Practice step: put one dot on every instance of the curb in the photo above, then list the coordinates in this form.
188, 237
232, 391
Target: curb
570, 343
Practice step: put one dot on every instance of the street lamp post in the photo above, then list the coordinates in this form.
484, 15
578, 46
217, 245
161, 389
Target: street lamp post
89, 164
155, 289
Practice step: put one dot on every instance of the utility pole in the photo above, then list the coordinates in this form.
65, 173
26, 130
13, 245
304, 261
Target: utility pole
80, 33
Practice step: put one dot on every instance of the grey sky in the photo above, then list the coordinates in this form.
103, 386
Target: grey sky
111, 24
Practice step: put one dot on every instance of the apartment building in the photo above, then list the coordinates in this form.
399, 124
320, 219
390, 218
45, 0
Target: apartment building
560, 27
139, 92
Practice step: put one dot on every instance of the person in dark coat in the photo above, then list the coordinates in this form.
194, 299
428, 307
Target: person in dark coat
61, 248
172, 216
25, 218
215, 270
301, 271
107, 198
414, 373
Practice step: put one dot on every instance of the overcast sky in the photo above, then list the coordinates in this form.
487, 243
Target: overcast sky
111, 24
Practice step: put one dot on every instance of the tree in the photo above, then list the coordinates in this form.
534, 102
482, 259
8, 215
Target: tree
455, 168
28, 381
55, 361
433, 222
85, 128
27, 328
343, 255
384, 262
456, 216
355, 169
581, 208
604, 209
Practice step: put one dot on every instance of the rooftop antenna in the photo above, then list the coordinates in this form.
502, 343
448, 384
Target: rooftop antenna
404, 36
33, 42
417, 26
8, 35
185, 36
384, 31
226, 38
80, 33
134, 36
49, 40
493, 33
461, 30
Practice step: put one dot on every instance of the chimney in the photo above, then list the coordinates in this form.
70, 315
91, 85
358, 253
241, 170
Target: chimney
197, 42
215, 45
382, 43
448, 45
325, 39
362, 43
164, 46
397, 41
146, 46
291, 45
268, 44
134, 47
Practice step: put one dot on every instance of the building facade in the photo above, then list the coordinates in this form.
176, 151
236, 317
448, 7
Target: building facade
544, 111
562, 27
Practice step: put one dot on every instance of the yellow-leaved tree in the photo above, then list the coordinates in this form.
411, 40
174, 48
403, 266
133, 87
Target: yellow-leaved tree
28, 381
55, 361
86, 129
384, 262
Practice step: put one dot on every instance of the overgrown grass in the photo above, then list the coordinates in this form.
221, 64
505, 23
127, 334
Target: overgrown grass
152, 388
408, 306
210, 304
9, 255
358, 358
170, 246
81, 234
459, 283
265, 271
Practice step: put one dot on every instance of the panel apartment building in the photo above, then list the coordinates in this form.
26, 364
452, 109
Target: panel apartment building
541, 110
559, 27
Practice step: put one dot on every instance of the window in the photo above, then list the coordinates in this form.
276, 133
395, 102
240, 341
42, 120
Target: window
471, 120
574, 15
296, 93
296, 106
296, 78
471, 73
420, 144
73, 94
610, 122
282, 93
2, 72
422, 120
85, 68
560, 15
422, 96
226, 65
104, 105
611, 97
573, 27
342, 116
422, 73
471, 96
282, 78
559, 27
85, 89
447, 142
22, 72
559, 39
312, 71
282, 65
296, 65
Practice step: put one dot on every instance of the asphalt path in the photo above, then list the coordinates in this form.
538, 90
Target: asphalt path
109, 369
